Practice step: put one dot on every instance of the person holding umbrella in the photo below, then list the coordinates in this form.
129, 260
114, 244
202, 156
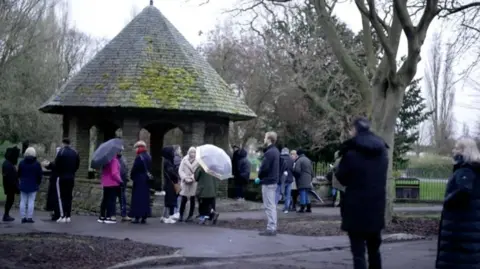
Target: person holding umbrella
141, 177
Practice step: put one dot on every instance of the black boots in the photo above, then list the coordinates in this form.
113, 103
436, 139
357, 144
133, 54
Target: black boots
7, 218
309, 208
302, 209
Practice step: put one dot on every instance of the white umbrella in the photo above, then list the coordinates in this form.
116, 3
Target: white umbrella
215, 161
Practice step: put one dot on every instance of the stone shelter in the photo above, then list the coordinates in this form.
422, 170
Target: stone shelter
149, 76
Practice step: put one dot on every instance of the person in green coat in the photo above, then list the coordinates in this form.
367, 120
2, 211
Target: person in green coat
206, 194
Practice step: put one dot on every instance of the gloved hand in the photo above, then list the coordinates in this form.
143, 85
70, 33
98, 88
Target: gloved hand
257, 181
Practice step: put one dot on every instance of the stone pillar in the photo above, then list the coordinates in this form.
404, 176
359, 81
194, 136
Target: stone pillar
156, 145
79, 134
193, 136
130, 133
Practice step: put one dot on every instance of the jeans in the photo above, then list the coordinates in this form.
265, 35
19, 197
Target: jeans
177, 207
268, 197
357, 246
287, 195
122, 198
107, 208
27, 204
304, 199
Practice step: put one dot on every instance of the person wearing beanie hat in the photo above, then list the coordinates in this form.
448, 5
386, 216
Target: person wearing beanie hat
363, 171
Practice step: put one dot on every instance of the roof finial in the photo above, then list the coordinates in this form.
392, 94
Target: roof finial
151, 2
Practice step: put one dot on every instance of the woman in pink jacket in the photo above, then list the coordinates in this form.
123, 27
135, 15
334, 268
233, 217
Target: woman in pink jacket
111, 181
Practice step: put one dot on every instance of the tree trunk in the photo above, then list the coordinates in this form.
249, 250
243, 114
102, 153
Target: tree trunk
387, 101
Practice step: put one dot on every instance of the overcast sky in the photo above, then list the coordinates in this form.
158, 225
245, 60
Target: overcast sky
106, 18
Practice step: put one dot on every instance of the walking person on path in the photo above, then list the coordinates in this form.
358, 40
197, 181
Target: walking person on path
294, 192
363, 172
67, 163
458, 240
171, 184
268, 176
111, 180
188, 184
303, 172
30, 175
10, 180
121, 194
176, 162
241, 174
140, 208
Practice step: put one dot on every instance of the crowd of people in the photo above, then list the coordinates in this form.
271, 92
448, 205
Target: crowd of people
184, 181
359, 175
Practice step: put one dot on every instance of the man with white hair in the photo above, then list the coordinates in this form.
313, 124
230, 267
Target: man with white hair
268, 176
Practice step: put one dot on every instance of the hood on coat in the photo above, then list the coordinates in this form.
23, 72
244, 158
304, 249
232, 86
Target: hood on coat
29, 159
367, 143
168, 153
242, 153
12, 154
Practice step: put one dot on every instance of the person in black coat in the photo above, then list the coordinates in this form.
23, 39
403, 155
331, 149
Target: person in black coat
141, 169
171, 178
286, 179
10, 180
363, 171
458, 239
241, 174
67, 163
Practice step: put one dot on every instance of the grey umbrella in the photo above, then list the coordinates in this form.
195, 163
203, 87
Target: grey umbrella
106, 152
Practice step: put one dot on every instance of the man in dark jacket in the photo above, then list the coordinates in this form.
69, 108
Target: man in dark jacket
284, 187
363, 172
241, 174
10, 180
268, 176
67, 163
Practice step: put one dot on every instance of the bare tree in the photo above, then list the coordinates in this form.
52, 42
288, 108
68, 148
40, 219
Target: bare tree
440, 88
382, 83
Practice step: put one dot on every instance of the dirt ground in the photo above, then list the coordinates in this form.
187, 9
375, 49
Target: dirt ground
52, 251
330, 226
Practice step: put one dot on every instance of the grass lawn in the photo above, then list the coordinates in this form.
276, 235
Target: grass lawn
429, 190
432, 191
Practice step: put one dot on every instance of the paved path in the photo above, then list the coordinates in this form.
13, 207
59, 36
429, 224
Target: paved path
412, 255
323, 211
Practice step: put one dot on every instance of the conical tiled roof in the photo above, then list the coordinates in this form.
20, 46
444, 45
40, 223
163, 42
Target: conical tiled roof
149, 64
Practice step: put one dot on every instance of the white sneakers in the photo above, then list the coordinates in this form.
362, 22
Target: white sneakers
64, 220
175, 216
168, 220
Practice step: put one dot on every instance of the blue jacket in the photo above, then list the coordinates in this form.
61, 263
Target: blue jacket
270, 167
30, 174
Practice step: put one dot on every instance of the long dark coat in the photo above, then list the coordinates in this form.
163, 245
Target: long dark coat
303, 172
140, 203
52, 196
9, 171
363, 171
459, 234
170, 176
